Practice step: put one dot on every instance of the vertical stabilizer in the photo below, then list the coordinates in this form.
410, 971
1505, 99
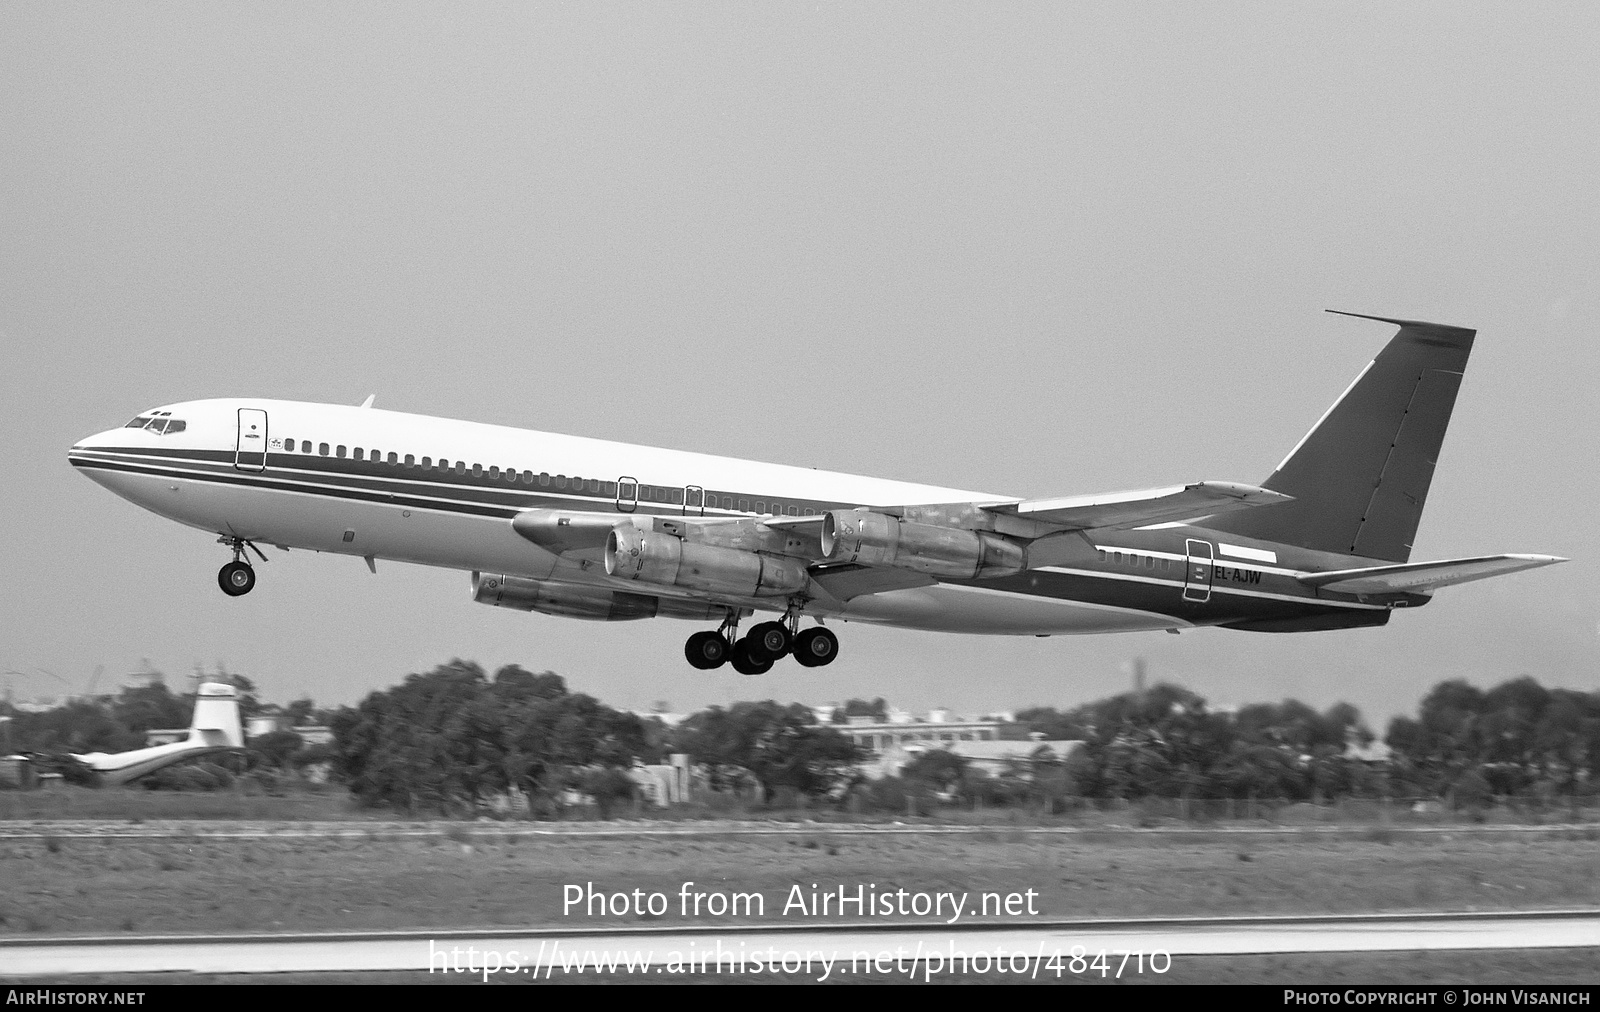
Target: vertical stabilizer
216, 716
1360, 477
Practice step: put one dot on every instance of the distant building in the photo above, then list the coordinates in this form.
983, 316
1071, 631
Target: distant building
666, 784
994, 756
266, 720
878, 736
314, 734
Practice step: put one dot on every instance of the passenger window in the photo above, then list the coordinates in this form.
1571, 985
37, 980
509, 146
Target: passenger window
360, 454
676, 497
660, 493
527, 477
427, 461
411, 461
608, 488
395, 460
761, 505
288, 446
794, 511
494, 472
477, 470
1150, 562
323, 449
744, 506
461, 467
544, 477
561, 481
339, 450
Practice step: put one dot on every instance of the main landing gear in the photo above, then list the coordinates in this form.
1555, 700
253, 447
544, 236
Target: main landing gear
758, 650
238, 577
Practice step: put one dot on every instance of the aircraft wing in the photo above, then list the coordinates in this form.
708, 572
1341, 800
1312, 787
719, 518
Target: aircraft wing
1142, 508
1424, 577
848, 580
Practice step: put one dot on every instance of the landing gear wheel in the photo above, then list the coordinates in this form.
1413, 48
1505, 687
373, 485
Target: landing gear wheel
236, 579
745, 660
706, 650
815, 647
769, 638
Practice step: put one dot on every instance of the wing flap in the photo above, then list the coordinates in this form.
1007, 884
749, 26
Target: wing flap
1424, 577
849, 580
1140, 508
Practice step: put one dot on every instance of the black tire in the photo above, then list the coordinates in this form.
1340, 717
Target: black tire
816, 647
706, 650
769, 638
746, 661
236, 579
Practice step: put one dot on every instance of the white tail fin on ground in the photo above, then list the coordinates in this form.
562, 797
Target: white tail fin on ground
213, 728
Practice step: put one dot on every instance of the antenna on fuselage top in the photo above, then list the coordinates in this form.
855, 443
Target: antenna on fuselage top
368, 402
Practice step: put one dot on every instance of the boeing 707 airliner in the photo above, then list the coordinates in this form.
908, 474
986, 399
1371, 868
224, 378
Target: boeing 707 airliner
590, 529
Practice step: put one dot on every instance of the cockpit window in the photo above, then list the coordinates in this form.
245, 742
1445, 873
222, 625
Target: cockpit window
161, 423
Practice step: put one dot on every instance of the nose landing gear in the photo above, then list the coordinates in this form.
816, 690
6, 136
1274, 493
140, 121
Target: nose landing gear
238, 577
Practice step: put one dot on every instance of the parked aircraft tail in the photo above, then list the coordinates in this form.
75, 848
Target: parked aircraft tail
213, 728
1360, 476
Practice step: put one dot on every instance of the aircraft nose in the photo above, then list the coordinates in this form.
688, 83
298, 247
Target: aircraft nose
95, 441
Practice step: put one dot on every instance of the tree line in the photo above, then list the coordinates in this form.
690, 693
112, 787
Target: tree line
1516, 739
453, 739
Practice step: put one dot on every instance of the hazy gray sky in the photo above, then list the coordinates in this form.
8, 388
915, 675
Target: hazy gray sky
1028, 248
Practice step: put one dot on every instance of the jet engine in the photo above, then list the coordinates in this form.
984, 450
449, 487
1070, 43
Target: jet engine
877, 539
655, 557
567, 600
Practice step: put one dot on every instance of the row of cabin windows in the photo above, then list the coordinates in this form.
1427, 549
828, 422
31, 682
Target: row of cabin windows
510, 474
647, 493
1133, 559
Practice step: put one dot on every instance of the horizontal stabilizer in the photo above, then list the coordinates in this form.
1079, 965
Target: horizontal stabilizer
1425, 577
1138, 509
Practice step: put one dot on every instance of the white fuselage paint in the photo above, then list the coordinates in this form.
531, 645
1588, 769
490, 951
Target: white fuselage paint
298, 517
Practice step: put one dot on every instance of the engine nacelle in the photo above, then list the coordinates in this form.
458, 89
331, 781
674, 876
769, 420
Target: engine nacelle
566, 600
877, 539
655, 557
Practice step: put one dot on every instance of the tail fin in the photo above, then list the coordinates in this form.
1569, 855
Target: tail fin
1360, 477
216, 716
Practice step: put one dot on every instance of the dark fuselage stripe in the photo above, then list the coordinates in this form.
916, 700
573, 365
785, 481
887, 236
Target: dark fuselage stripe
1111, 588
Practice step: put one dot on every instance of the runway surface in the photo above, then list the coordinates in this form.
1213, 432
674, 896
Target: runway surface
213, 829
1038, 945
